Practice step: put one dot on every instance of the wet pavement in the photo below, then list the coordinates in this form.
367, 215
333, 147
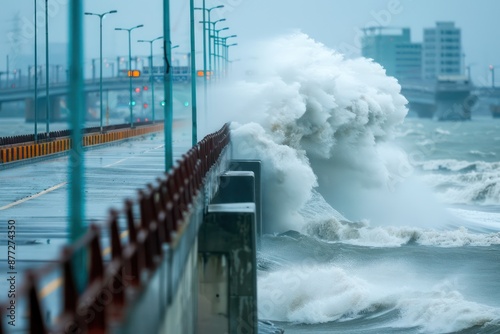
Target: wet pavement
35, 196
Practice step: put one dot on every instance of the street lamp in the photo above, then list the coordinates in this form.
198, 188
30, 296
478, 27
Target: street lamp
47, 96
129, 30
217, 49
224, 40
208, 10
226, 46
151, 77
101, 16
36, 75
492, 69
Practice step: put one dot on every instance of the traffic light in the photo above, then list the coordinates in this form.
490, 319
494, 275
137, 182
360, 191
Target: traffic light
145, 106
162, 103
133, 103
145, 88
134, 73
137, 89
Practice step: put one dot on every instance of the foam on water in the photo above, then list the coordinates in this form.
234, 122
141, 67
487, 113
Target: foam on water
309, 103
322, 126
319, 294
464, 182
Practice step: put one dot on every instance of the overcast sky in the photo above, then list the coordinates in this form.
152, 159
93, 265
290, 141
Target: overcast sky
335, 23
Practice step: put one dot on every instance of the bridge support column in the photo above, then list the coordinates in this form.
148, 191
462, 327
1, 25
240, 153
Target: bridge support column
55, 109
255, 167
227, 248
227, 301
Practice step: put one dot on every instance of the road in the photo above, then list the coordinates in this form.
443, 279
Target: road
34, 196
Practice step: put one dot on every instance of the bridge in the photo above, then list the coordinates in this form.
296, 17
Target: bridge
160, 231
59, 91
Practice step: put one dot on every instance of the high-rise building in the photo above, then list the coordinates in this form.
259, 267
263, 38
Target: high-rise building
442, 51
393, 49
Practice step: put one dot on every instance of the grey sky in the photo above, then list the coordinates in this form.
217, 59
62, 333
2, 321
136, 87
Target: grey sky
334, 23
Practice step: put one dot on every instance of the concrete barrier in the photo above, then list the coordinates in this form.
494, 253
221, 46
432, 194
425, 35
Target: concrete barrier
13, 153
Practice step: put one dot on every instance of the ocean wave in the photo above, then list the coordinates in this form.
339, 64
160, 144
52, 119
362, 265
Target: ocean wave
361, 234
458, 165
442, 131
309, 113
471, 187
482, 154
316, 294
320, 294
464, 182
444, 311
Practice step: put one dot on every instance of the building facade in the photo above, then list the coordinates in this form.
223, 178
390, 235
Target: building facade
393, 49
442, 51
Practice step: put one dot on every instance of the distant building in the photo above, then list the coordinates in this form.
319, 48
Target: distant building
393, 49
442, 51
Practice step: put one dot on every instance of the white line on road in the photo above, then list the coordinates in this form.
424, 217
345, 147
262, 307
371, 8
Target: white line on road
122, 160
115, 163
57, 186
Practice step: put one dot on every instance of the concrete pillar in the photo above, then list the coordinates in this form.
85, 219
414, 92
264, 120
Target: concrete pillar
55, 109
255, 167
228, 270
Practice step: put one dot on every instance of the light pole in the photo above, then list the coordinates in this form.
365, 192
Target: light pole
492, 69
210, 40
36, 78
151, 77
192, 66
47, 99
205, 22
129, 30
101, 16
217, 49
225, 47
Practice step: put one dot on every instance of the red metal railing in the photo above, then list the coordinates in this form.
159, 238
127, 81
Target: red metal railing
112, 285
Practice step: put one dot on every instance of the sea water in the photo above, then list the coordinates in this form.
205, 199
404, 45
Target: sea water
375, 221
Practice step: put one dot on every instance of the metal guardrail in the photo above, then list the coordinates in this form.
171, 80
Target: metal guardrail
21, 139
113, 286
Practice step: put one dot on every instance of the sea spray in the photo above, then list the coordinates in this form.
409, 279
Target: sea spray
303, 102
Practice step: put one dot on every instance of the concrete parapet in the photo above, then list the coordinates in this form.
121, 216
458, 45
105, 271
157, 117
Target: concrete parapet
13, 153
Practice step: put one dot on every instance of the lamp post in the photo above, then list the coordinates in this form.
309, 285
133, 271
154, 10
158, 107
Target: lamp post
225, 47
207, 23
36, 77
492, 69
47, 97
192, 66
227, 55
129, 30
151, 77
101, 16
217, 49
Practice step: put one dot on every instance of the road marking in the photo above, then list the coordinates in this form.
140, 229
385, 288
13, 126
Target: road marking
57, 282
107, 250
122, 160
57, 186
51, 287
115, 163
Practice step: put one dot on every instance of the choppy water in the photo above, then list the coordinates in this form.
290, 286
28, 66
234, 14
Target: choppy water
369, 277
376, 222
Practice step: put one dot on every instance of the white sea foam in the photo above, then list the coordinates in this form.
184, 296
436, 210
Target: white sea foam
442, 131
469, 182
482, 154
309, 102
442, 310
313, 294
362, 234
